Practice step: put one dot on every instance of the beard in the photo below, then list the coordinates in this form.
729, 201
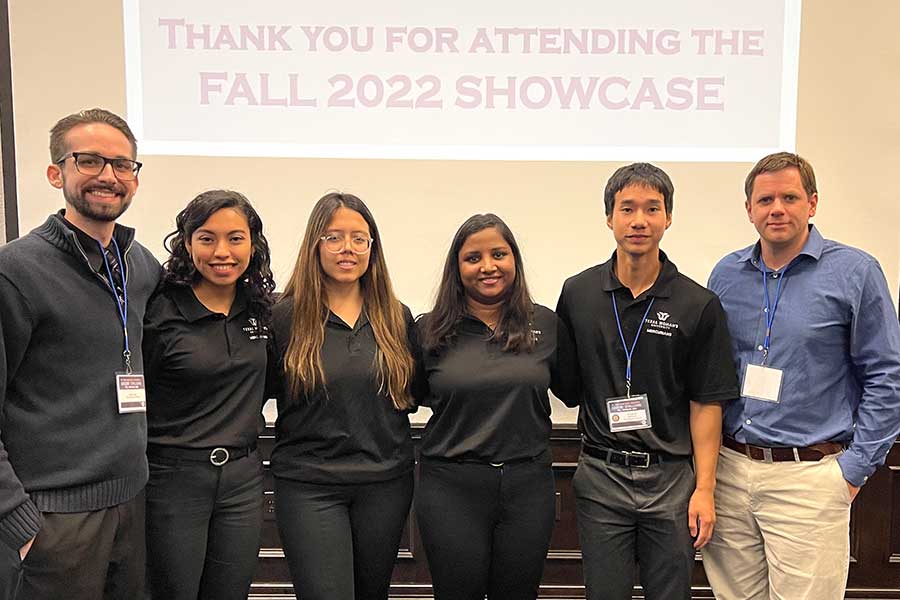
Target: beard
94, 211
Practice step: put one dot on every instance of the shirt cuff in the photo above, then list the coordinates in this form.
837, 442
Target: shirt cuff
20, 525
856, 471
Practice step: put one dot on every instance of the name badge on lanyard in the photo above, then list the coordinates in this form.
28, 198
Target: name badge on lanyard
131, 394
762, 382
629, 412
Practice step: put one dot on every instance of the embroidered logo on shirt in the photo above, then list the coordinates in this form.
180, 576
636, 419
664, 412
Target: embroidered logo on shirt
661, 325
254, 330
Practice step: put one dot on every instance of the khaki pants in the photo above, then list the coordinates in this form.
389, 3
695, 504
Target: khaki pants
782, 530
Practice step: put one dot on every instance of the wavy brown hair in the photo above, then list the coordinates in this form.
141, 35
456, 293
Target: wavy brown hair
513, 330
306, 288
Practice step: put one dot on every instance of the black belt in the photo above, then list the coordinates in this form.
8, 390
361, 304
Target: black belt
217, 456
476, 461
629, 458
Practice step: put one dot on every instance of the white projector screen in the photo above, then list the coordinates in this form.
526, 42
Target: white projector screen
506, 80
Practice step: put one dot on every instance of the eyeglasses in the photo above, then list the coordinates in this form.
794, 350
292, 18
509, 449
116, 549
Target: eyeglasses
359, 244
88, 163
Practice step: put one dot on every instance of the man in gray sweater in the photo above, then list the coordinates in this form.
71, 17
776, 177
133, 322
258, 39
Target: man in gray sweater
72, 428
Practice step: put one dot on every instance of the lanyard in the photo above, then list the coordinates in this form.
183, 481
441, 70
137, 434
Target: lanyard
771, 307
629, 353
121, 305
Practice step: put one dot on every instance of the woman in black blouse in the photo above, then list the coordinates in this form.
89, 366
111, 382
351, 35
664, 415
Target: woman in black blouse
343, 455
205, 355
485, 504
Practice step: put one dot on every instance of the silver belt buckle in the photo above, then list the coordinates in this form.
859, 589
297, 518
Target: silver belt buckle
643, 458
219, 456
767, 455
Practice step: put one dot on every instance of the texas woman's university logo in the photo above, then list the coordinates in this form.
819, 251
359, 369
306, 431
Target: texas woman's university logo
661, 324
255, 330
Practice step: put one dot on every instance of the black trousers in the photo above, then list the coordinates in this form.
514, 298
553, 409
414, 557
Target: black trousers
80, 556
341, 541
629, 514
203, 528
486, 530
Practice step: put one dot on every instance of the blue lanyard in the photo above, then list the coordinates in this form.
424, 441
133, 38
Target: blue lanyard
122, 305
771, 307
629, 353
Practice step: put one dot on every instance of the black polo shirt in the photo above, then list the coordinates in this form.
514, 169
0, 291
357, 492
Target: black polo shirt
683, 354
490, 405
348, 430
205, 372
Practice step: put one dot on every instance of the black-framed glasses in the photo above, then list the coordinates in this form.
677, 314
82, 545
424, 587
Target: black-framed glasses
88, 163
334, 243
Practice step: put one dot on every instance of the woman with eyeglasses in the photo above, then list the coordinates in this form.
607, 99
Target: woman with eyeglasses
343, 456
205, 355
486, 497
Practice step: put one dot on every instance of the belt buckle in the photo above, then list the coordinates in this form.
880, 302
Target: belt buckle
643, 457
767, 455
496, 465
219, 456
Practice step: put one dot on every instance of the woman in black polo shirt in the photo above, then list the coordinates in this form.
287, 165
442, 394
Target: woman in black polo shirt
485, 504
205, 354
343, 455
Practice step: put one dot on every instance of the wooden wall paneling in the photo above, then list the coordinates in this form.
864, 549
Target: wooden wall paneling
875, 537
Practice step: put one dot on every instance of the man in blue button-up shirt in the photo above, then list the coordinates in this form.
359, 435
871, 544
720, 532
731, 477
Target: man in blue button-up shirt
817, 346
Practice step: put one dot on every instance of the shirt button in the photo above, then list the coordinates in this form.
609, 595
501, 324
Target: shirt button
748, 421
760, 347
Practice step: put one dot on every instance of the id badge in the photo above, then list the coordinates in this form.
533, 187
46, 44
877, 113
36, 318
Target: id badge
130, 393
762, 383
628, 413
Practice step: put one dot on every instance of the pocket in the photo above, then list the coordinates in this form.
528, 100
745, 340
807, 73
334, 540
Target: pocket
161, 470
10, 571
838, 474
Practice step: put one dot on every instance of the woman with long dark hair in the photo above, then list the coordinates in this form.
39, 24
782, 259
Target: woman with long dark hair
343, 455
485, 504
205, 357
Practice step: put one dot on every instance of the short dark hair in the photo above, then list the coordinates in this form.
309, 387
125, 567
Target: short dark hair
179, 269
92, 115
642, 174
513, 331
778, 162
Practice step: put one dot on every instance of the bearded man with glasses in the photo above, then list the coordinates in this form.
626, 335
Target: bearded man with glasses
73, 430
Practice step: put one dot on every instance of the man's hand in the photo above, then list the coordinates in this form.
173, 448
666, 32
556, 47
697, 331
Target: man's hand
853, 491
23, 551
701, 517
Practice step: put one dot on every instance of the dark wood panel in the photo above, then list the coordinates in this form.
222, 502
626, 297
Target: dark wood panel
874, 538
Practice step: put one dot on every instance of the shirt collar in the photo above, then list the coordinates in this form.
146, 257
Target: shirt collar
193, 310
814, 246
361, 321
88, 244
661, 288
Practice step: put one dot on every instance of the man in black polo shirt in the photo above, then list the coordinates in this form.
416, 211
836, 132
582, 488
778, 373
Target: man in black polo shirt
655, 361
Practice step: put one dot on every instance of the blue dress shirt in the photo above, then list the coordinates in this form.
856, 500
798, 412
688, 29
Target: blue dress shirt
835, 335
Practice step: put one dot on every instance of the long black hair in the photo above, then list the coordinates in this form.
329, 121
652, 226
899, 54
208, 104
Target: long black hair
513, 330
257, 280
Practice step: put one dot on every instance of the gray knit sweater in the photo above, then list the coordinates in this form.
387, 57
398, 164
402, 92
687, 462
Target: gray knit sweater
64, 447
